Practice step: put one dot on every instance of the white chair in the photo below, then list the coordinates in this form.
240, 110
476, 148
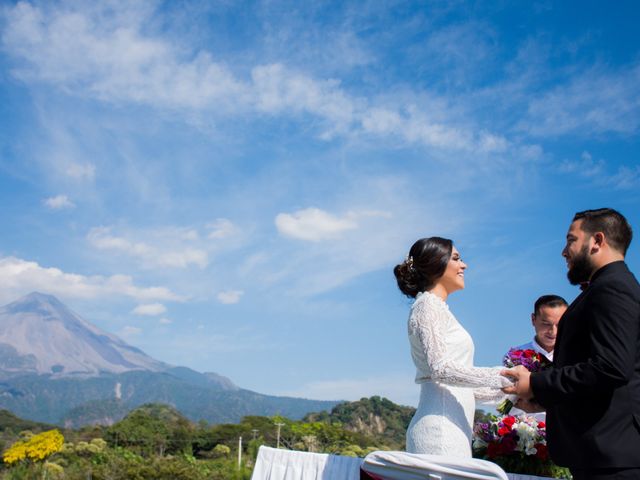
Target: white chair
411, 466
276, 464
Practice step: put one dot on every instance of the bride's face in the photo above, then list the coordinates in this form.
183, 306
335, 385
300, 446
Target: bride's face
453, 277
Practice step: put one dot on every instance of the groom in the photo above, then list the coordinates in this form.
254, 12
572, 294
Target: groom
592, 393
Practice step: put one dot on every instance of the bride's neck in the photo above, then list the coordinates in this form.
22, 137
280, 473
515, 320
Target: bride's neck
440, 291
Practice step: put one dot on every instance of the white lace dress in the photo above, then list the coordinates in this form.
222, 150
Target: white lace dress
443, 354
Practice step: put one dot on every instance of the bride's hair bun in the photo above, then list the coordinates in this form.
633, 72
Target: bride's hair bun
425, 264
408, 279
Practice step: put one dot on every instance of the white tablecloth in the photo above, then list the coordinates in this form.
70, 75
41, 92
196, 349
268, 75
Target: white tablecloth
274, 464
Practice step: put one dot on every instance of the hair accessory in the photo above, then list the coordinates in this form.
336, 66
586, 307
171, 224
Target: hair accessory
409, 262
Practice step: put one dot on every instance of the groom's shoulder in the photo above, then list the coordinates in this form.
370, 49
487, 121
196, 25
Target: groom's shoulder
614, 271
617, 277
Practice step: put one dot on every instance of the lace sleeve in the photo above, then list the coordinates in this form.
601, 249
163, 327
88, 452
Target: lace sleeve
428, 322
489, 395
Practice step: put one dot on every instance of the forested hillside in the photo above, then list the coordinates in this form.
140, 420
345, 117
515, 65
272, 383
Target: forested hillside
375, 417
156, 441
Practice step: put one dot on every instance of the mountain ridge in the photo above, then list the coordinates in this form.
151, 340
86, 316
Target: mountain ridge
70, 369
39, 334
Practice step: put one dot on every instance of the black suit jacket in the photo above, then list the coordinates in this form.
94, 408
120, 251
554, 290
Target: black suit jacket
592, 393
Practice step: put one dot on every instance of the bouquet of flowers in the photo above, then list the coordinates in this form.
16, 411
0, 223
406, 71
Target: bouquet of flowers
517, 444
529, 359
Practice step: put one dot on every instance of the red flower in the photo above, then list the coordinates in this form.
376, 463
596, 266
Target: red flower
509, 444
542, 425
529, 353
502, 431
493, 450
509, 421
541, 451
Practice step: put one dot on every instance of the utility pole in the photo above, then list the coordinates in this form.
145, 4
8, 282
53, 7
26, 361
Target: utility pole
278, 436
239, 452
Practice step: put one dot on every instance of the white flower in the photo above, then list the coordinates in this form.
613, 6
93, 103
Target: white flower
527, 437
479, 443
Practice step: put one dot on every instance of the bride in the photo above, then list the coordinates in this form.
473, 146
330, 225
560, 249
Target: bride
443, 353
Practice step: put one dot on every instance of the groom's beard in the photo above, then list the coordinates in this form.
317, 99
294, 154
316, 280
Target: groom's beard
581, 267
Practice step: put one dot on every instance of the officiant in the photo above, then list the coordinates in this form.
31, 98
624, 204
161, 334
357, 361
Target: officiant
547, 311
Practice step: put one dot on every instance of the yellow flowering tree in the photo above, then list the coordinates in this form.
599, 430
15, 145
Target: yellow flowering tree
38, 447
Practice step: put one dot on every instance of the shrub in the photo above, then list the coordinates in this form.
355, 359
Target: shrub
37, 447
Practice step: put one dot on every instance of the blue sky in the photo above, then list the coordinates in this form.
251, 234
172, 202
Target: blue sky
228, 185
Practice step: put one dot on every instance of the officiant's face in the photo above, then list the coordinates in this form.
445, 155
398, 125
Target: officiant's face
576, 253
545, 322
453, 277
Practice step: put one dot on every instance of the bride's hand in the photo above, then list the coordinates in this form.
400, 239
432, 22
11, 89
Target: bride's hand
506, 382
520, 376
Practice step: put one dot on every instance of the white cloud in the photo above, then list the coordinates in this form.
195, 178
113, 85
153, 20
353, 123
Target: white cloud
184, 258
600, 174
101, 52
222, 228
230, 296
107, 52
19, 277
129, 331
489, 142
429, 124
418, 129
592, 102
59, 202
382, 121
625, 178
164, 321
278, 90
585, 167
398, 388
100, 237
150, 309
313, 224
151, 255
191, 235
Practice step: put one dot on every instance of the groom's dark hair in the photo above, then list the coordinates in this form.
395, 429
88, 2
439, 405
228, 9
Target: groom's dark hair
552, 301
610, 222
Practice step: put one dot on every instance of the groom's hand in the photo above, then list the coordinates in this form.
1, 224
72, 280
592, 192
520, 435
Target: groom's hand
521, 386
529, 406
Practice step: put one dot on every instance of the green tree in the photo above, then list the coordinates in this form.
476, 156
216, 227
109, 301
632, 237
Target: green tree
221, 450
153, 429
